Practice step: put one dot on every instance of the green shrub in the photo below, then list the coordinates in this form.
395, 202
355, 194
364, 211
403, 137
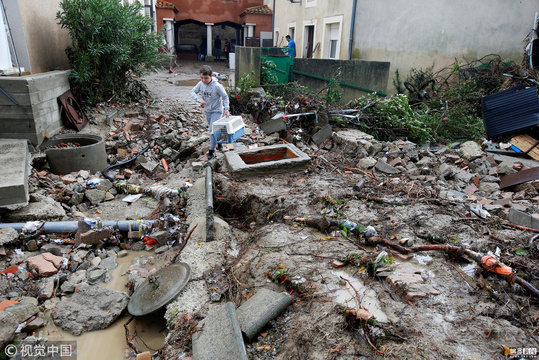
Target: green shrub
111, 46
392, 118
267, 75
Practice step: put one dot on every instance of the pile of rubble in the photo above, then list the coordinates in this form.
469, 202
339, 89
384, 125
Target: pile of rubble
406, 193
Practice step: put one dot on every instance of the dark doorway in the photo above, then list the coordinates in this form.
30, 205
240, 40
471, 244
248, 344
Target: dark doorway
310, 40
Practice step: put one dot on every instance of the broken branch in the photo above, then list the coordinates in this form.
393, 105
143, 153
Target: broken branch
487, 262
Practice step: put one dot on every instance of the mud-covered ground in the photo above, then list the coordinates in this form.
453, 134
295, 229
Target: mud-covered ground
456, 310
422, 305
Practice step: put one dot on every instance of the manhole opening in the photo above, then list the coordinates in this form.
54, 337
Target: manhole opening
266, 155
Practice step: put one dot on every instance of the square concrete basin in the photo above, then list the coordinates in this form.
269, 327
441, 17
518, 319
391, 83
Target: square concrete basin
266, 159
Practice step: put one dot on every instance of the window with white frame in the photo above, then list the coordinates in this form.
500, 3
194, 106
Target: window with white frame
310, 3
331, 44
333, 40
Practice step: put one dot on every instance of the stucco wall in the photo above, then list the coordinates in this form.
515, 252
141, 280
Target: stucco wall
45, 40
287, 13
418, 33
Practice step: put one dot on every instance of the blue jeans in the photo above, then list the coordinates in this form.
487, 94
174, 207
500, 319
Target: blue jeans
212, 117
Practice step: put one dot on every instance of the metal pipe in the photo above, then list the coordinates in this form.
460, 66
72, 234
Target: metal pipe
51, 227
352, 30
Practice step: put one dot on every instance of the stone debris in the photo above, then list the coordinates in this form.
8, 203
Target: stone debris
90, 308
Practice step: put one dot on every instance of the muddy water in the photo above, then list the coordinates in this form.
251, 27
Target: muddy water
110, 343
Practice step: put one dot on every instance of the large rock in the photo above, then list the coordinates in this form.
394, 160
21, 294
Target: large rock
471, 150
90, 308
9, 326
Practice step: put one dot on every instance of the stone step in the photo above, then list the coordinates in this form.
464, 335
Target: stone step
260, 309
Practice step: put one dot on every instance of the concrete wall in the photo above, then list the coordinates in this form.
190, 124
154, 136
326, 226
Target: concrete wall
371, 75
248, 59
418, 33
37, 114
41, 42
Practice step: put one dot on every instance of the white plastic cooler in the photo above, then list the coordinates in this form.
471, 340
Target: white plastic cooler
228, 129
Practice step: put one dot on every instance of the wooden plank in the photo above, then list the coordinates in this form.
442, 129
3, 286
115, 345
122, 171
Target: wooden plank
527, 144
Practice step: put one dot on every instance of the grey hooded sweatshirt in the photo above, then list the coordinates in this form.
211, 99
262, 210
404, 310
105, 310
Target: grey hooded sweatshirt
213, 94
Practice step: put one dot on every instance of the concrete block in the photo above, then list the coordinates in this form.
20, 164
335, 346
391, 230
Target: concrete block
519, 218
38, 108
15, 160
260, 309
248, 59
219, 335
325, 133
273, 126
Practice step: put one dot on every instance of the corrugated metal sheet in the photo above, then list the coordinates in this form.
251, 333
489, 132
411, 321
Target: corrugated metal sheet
510, 111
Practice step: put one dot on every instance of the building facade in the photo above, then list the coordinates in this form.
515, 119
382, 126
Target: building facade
408, 34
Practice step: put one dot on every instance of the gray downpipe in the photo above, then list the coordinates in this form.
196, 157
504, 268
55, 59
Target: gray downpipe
352, 30
72, 226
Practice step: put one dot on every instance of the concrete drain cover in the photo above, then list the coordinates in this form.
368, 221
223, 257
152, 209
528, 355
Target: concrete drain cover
158, 290
266, 159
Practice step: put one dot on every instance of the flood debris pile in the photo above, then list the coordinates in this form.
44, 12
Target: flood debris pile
378, 248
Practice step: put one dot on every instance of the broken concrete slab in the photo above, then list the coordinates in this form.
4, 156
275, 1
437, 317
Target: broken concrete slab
384, 167
260, 309
15, 160
219, 333
528, 163
24, 309
41, 207
8, 235
273, 125
322, 135
522, 219
9, 325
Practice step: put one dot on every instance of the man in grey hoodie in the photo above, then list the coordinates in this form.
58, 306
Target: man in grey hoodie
213, 97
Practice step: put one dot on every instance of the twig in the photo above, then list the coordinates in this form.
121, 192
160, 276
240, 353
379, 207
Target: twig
520, 227
320, 256
173, 260
127, 335
374, 347
483, 260
352, 286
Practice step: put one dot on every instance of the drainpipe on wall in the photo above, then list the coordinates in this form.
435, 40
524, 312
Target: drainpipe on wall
352, 30
273, 24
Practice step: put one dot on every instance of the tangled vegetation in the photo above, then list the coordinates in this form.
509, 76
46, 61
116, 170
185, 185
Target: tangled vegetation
112, 46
